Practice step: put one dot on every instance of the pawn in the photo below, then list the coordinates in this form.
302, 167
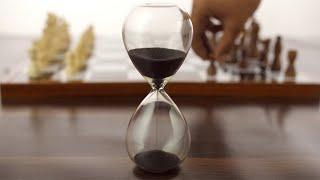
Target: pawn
291, 70
212, 70
276, 65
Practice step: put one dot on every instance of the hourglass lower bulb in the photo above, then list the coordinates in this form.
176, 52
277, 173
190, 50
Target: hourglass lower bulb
158, 137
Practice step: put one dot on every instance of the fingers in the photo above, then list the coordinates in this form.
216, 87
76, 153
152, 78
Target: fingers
223, 47
215, 28
200, 43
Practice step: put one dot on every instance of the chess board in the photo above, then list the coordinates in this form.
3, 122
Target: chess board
110, 73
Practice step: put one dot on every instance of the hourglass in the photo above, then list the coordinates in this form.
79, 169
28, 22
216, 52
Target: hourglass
157, 38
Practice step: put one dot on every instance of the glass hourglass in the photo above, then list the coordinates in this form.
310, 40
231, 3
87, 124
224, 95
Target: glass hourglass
157, 38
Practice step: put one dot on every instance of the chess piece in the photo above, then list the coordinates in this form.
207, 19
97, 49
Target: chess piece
86, 42
276, 65
44, 43
81, 52
243, 45
71, 64
33, 51
264, 59
264, 53
51, 25
291, 70
34, 70
52, 20
212, 70
90, 33
80, 60
56, 34
254, 37
233, 56
43, 58
50, 47
243, 39
243, 62
90, 40
63, 37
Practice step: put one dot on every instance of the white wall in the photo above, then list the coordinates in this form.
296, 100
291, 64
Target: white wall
293, 18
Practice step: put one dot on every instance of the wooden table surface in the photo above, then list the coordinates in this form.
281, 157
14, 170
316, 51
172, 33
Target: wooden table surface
231, 139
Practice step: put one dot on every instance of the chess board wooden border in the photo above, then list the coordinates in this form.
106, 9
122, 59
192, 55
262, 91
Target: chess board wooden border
68, 92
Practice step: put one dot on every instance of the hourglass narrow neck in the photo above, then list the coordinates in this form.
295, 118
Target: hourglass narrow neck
157, 84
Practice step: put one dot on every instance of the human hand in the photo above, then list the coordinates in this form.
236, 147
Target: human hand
232, 14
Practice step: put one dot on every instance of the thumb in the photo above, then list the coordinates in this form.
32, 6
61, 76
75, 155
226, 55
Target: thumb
223, 47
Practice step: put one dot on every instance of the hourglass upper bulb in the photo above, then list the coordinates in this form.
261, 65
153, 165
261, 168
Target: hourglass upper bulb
157, 38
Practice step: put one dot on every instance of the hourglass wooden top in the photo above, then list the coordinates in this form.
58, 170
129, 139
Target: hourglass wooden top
231, 139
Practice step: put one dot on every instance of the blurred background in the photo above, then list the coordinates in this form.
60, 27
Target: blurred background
22, 22
296, 19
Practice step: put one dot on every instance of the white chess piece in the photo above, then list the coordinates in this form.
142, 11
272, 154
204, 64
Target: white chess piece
71, 68
34, 70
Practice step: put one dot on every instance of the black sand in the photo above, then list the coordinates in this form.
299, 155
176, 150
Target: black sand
157, 63
156, 161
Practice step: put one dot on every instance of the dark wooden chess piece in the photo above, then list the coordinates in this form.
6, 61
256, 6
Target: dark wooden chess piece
233, 56
276, 65
243, 37
264, 58
291, 70
263, 73
254, 37
243, 62
264, 54
212, 70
